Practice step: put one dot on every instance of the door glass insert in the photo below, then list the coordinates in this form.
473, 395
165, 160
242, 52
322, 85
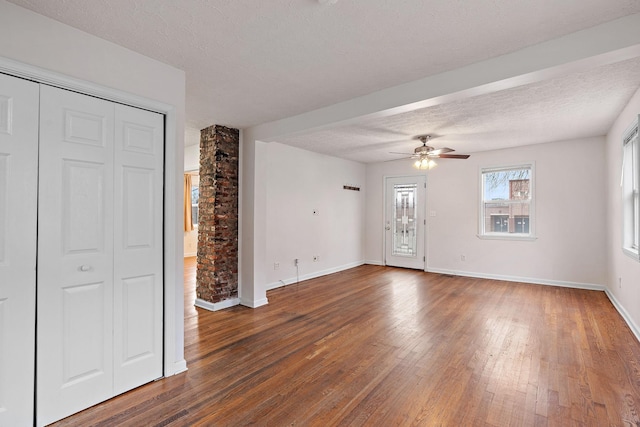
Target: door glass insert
404, 220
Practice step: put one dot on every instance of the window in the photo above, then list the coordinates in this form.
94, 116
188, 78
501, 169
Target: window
507, 202
195, 195
631, 191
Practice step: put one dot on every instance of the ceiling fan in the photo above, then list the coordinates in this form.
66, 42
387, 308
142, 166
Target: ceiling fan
425, 154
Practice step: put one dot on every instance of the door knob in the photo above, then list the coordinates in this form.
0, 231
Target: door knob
85, 267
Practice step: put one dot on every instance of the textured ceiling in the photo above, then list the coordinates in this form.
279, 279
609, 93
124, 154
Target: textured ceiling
248, 62
577, 105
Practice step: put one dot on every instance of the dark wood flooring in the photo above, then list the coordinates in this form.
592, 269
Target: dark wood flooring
381, 346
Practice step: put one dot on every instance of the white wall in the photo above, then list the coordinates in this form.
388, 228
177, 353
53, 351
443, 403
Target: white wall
299, 182
570, 216
191, 243
621, 267
35, 40
192, 157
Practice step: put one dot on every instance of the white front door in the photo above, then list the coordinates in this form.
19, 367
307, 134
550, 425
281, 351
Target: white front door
99, 251
18, 213
405, 207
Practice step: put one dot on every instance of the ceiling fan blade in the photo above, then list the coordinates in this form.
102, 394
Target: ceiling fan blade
395, 152
442, 150
453, 156
401, 158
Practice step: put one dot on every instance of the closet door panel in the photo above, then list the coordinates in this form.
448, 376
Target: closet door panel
18, 213
138, 247
75, 254
83, 205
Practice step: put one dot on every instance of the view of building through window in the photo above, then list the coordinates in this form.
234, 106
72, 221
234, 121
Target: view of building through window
506, 200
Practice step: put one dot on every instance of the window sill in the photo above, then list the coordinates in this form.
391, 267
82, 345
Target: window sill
526, 238
632, 253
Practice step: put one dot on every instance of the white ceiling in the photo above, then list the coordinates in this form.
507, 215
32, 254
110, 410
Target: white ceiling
248, 62
574, 106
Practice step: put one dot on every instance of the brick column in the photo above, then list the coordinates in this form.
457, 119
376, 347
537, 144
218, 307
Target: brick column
217, 270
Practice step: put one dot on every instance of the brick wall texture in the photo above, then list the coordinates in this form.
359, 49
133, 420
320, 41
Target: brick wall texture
217, 270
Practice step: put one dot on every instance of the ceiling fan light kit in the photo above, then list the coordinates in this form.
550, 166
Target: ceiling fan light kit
425, 154
424, 163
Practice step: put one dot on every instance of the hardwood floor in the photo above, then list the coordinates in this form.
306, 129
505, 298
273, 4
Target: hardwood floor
384, 346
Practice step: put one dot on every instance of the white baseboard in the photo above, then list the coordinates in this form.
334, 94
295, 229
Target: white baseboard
215, 306
372, 262
564, 284
179, 367
625, 315
254, 303
313, 275
190, 254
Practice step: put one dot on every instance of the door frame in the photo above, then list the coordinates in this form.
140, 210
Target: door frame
173, 263
384, 215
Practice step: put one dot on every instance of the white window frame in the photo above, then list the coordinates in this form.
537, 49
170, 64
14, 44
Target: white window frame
484, 234
631, 191
196, 205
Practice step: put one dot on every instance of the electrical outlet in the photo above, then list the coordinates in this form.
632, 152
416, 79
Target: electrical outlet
620, 282
463, 258
295, 262
316, 258
276, 265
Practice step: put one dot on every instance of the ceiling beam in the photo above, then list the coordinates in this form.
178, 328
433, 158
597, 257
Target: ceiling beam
607, 43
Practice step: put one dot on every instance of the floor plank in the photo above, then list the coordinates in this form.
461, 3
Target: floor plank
385, 346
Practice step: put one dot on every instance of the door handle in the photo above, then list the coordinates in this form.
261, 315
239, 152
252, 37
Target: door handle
85, 268
387, 228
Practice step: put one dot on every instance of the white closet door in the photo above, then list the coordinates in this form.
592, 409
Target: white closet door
99, 251
18, 212
75, 254
138, 247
